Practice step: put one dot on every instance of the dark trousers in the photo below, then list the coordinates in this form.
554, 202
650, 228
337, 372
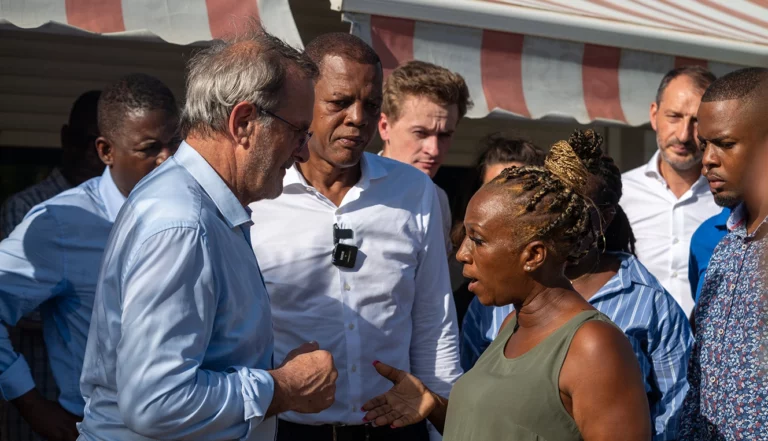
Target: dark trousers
287, 431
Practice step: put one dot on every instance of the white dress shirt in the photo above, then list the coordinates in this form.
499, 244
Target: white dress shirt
51, 261
663, 225
181, 332
395, 305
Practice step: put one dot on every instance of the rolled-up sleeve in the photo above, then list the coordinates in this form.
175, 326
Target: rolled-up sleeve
169, 306
30, 271
434, 348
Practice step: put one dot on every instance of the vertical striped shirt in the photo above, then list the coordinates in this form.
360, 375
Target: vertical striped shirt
18, 205
655, 324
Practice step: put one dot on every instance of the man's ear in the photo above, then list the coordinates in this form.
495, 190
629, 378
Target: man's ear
652, 114
240, 124
533, 256
105, 150
384, 128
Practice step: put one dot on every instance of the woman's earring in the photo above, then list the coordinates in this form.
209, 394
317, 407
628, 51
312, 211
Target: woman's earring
602, 244
528, 268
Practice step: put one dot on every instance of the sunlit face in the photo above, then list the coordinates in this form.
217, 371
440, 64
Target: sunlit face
489, 251
422, 135
675, 120
144, 140
730, 141
346, 110
493, 170
282, 144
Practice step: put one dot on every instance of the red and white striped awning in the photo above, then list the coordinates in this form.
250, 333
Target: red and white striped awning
177, 21
590, 60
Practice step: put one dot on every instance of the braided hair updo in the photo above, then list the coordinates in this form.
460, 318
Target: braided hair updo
606, 189
553, 201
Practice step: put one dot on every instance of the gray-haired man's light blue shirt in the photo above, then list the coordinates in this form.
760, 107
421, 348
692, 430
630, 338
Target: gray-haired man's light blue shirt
181, 333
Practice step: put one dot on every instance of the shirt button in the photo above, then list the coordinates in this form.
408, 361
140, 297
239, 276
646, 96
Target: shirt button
675, 240
354, 368
731, 286
712, 379
351, 326
674, 275
346, 286
720, 332
744, 247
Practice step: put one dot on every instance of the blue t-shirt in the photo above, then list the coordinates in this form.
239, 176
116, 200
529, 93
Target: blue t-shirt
703, 243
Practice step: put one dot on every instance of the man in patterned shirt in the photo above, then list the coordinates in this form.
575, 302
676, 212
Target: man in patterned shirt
728, 383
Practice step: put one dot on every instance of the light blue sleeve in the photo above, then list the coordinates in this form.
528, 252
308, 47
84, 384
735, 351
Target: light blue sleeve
169, 305
669, 346
30, 271
474, 333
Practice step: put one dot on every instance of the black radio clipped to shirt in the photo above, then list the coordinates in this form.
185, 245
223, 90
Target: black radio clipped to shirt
343, 255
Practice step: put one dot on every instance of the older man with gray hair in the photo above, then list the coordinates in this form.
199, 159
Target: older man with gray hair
180, 344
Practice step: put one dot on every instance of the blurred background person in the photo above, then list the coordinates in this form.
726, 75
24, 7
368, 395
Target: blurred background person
79, 162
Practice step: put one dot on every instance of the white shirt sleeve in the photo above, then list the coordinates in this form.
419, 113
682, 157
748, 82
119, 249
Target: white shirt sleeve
434, 348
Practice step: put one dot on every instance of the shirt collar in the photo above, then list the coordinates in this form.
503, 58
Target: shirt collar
721, 220
371, 168
652, 170
621, 281
229, 206
110, 195
737, 222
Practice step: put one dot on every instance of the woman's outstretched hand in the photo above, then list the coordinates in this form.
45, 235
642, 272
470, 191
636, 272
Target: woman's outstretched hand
408, 402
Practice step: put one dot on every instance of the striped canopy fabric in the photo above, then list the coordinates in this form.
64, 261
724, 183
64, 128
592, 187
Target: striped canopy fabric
598, 60
175, 21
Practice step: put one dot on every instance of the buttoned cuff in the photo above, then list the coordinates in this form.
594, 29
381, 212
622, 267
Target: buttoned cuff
258, 389
16, 380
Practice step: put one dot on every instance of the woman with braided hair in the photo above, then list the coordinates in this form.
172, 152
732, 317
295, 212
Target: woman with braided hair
560, 370
611, 278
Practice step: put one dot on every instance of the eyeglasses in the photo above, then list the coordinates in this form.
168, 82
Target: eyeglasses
306, 134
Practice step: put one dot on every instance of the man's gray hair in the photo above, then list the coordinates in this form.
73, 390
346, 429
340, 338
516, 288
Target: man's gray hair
250, 68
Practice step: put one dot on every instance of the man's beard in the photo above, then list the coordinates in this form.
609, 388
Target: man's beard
726, 200
680, 164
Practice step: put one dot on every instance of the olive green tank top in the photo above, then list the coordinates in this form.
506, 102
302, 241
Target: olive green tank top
516, 399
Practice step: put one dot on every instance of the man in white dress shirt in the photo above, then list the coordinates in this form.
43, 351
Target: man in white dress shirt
667, 199
423, 103
353, 254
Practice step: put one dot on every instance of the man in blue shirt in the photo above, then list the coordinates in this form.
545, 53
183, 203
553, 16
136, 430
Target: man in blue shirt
51, 259
180, 344
703, 243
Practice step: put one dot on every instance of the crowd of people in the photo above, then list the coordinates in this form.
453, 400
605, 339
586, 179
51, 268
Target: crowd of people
239, 267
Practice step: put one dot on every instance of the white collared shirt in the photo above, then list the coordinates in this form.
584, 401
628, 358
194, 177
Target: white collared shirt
663, 225
395, 305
